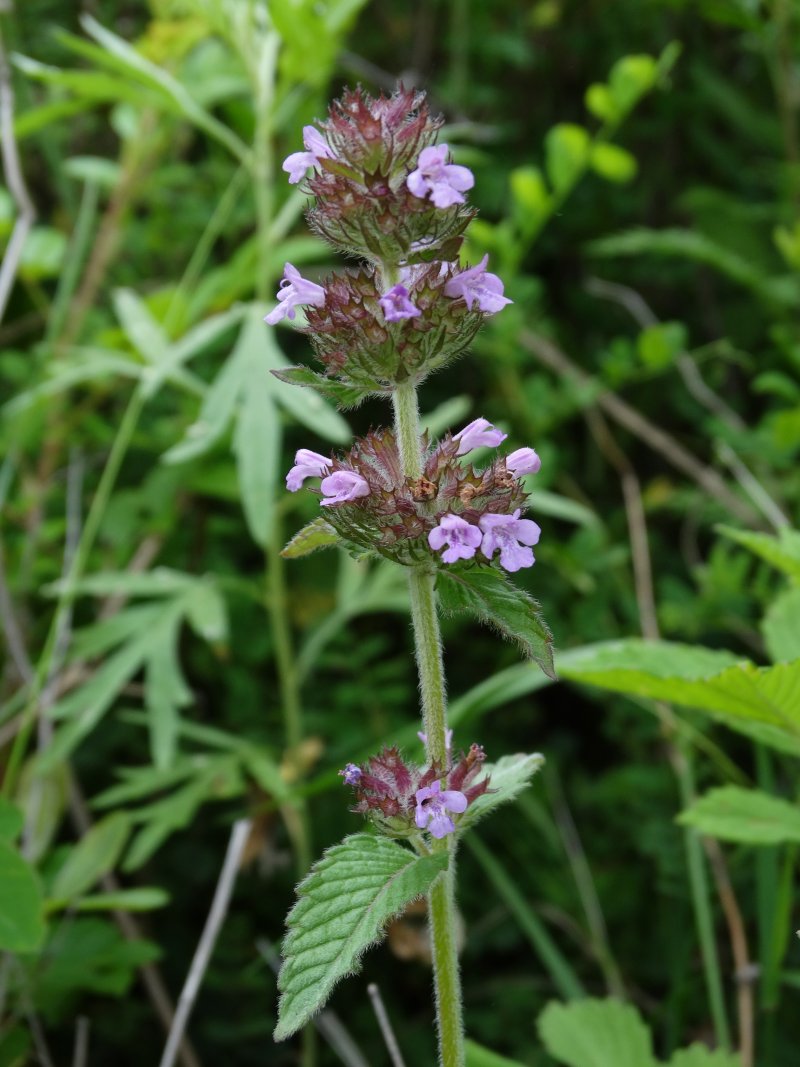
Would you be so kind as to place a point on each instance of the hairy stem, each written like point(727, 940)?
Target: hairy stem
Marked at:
point(428, 646)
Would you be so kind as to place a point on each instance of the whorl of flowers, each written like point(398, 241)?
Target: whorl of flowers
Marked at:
point(384, 190)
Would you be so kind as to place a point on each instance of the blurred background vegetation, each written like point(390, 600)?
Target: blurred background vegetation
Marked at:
point(638, 177)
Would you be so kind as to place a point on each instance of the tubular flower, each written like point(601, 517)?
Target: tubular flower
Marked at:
point(351, 774)
point(445, 183)
point(294, 290)
point(298, 163)
point(307, 464)
point(342, 487)
point(433, 804)
point(397, 306)
point(523, 461)
point(462, 539)
point(476, 286)
point(511, 535)
point(476, 433)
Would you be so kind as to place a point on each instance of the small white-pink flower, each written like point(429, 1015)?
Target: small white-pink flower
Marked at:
point(460, 537)
point(445, 183)
point(512, 536)
point(298, 163)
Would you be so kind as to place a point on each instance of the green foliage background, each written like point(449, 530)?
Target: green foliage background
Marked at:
point(646, 225)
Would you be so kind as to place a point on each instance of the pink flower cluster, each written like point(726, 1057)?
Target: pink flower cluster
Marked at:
point(341, 487)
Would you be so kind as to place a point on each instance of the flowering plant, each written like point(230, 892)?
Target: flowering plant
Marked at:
point(384, 191)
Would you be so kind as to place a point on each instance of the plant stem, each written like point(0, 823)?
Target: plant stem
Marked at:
point(428, 647)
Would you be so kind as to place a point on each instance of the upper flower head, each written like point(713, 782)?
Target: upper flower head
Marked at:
point(511, 535)
point(298, 163)
point(476, 433)
point(461, 538)
point(294, 290)
point(523, 461)
point(433, 803)
point(342, 486)
point(307, 464)
point(443, 182)
point(396, 305)
point(476, 286)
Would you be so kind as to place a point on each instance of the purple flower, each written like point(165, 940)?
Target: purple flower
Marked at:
point(443, 182)
point(307, 464)
point(511, 535)
point(351, 774)
point(397, 306)
point(478, 432)
point(342, 486)
point(298, 163)
point(476, 286)
point(461, 538)
point(432, 806)
point(294, 290)
point(523, 461)
point(448, 738)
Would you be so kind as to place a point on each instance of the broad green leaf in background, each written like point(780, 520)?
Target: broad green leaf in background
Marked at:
point(21, 912)
point(507, 778)
point(93, 856)
point(11, 820)
point(343, 905)
point(781, 627)
point(314, 535)
point(596, 1033)
point(782, 551)
point(478, 1056)
point(747, 816)
point(494, 600)
point(308, 407)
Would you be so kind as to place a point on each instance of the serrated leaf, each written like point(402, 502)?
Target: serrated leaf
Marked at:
point(94, 855)
point(596, 1033)
point(739, 693)
point(782, 551)
point(495, 601)
point(343, 905)
point(747, 816)
point(345, 396)
point(21, 912)
point(700, 1056)
point(316, 534)
point(507, 778)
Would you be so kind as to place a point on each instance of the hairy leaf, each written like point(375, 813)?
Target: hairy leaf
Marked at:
point(744, 815)
point(316, 534)
point(345, 396)
point(508, 777)
point(494, 600)
point(342, 908)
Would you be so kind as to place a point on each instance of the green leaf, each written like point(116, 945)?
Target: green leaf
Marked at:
point(507, 778)
point(660, 345)
point(631, 77)
point(596, 1033)
point(143, 331)
point(316, 534)
point(701, 1056)
point(567, 154)
point(478, 1056)
point(257, 438)
point(344, 396)
point(206, 611)
point(495, 601)
point(747, 816)
point(145, 898)
point(531, 198)
point(11, 821)
point(43, 253)
point(94, 855)
point(103, 172)
point(691, 676)
point(166, 691)
point(781, 627)
point(343, 905)
point(613, 163)
point(782, 551)
point(600, 101)
point(216, 413)
point(21, 913)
